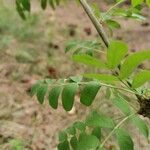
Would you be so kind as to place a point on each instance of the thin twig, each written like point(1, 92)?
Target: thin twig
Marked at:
point(95, 22)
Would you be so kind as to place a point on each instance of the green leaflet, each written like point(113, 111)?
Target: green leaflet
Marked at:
point(20, 9)
point(43, 4)
point(124, 140)
point(141, 78)
point(64, 146)
point(102, 77)
point(99, 120)
point(132, 62)
point(148, 3)
point(54, 96)
point(141, 125)
point(116, 52)
point(88, 60)
point(122, 104)
point(62, 136)
point(26, 4)
point(34, 89)
point(97, 132)
point(79, 125)
point(41, 91)
point(73, 142)
point(113, 24)
point(89, 93)
point(87, 142)
point(68, 95)
point(136, 2)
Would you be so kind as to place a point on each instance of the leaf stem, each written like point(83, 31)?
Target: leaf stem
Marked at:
point(95, 22)
point(116, 127)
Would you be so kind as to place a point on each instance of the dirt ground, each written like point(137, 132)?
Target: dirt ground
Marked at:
point(44, 37)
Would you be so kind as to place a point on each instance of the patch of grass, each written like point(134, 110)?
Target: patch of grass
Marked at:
point(17, 144)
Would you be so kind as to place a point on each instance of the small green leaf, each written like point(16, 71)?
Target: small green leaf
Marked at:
point(20, 9)
point(79, 125)
point(122, 104)
point(102, 77)
point(73, 143)
point(141, 78)
point(64, 146)
point(62, 136)
point(132, 62)
point(99, 120)
point(26, 4)
point(87, 142)
point(41, 93)
point(116, 52)
point(88, 60)
point(148, 3)
point(113, 24)
point(136, 2)
point(71, 130)
point(34, 89)
point(141, 125)
point(68, 95)
point(54, 96)
point(97, 132)
point(43, 4)
point(89, 92)
point(124, 140)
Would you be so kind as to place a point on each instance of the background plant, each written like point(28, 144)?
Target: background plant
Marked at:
point(121, 76)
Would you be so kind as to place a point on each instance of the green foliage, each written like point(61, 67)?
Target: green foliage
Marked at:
point(124, 140)
point(132, 62)
point(141, 78)
point(119, 74)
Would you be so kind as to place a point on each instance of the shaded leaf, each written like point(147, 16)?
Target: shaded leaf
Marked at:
point(89, 92)
point(122, 104)
point(54, 96)
point(41, 91)
point(124, 140)
point(68, 95)
point(87, 142)
point(141, 125)
point(64, 146)
point(99, 120)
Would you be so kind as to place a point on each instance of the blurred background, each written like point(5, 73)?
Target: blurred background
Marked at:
point(34, 49)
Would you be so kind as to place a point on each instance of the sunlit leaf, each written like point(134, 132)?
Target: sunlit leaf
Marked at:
point(116, 52)
point(132, 62)
point(141, 78)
